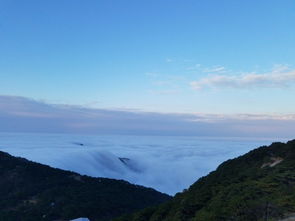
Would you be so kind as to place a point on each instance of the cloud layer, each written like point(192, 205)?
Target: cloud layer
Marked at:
point(166, 163)
point(279, 77)
point(18, 114)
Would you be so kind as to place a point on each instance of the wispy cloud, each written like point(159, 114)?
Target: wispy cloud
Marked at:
point(195, 67)
point(164, 92)
point(215, 69)
point(280, 77)
point(152, 74)
point(241, 117)
point(210, 70)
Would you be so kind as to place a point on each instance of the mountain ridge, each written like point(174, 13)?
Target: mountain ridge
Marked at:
point(31, 191)
point(257, 186)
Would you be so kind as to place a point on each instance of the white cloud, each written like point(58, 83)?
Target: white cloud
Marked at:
point(216, 69)
point(182, 160)
point(281, 76)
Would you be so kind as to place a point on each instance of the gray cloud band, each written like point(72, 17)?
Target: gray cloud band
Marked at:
point(18, 114)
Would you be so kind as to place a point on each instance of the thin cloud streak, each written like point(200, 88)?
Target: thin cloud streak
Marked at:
point(279, 77)
point(217, 69)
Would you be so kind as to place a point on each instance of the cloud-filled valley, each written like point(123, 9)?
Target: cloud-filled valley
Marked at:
point(166, 163)
point(90, 141)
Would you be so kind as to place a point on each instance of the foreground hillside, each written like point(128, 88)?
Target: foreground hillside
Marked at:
point(257, 186)
point(31, 191)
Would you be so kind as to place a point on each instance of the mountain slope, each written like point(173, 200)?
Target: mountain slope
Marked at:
point(32, 191)
point(259, 185)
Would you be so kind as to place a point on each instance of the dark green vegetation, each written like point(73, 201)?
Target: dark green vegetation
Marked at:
point(31, 191)
point(257, 186)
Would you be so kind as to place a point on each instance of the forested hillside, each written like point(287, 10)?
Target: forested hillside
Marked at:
point(32, 191)
point(259, 185)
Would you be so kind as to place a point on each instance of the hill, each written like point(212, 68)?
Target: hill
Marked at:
point(32, 191)
point(259, 185)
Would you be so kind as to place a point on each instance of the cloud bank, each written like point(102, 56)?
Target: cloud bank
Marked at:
point(18, 114)
point(166, 163)
point(279, 77)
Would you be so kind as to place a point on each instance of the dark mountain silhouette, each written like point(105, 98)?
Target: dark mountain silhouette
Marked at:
point(32, 191)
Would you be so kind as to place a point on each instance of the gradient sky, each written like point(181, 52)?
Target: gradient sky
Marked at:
point(192, 56)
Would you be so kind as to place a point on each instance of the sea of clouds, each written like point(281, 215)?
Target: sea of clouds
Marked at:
point(167, 164)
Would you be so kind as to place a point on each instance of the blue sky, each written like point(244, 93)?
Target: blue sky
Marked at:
point(193, 56)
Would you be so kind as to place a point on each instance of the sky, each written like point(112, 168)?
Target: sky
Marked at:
point(167, 57)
